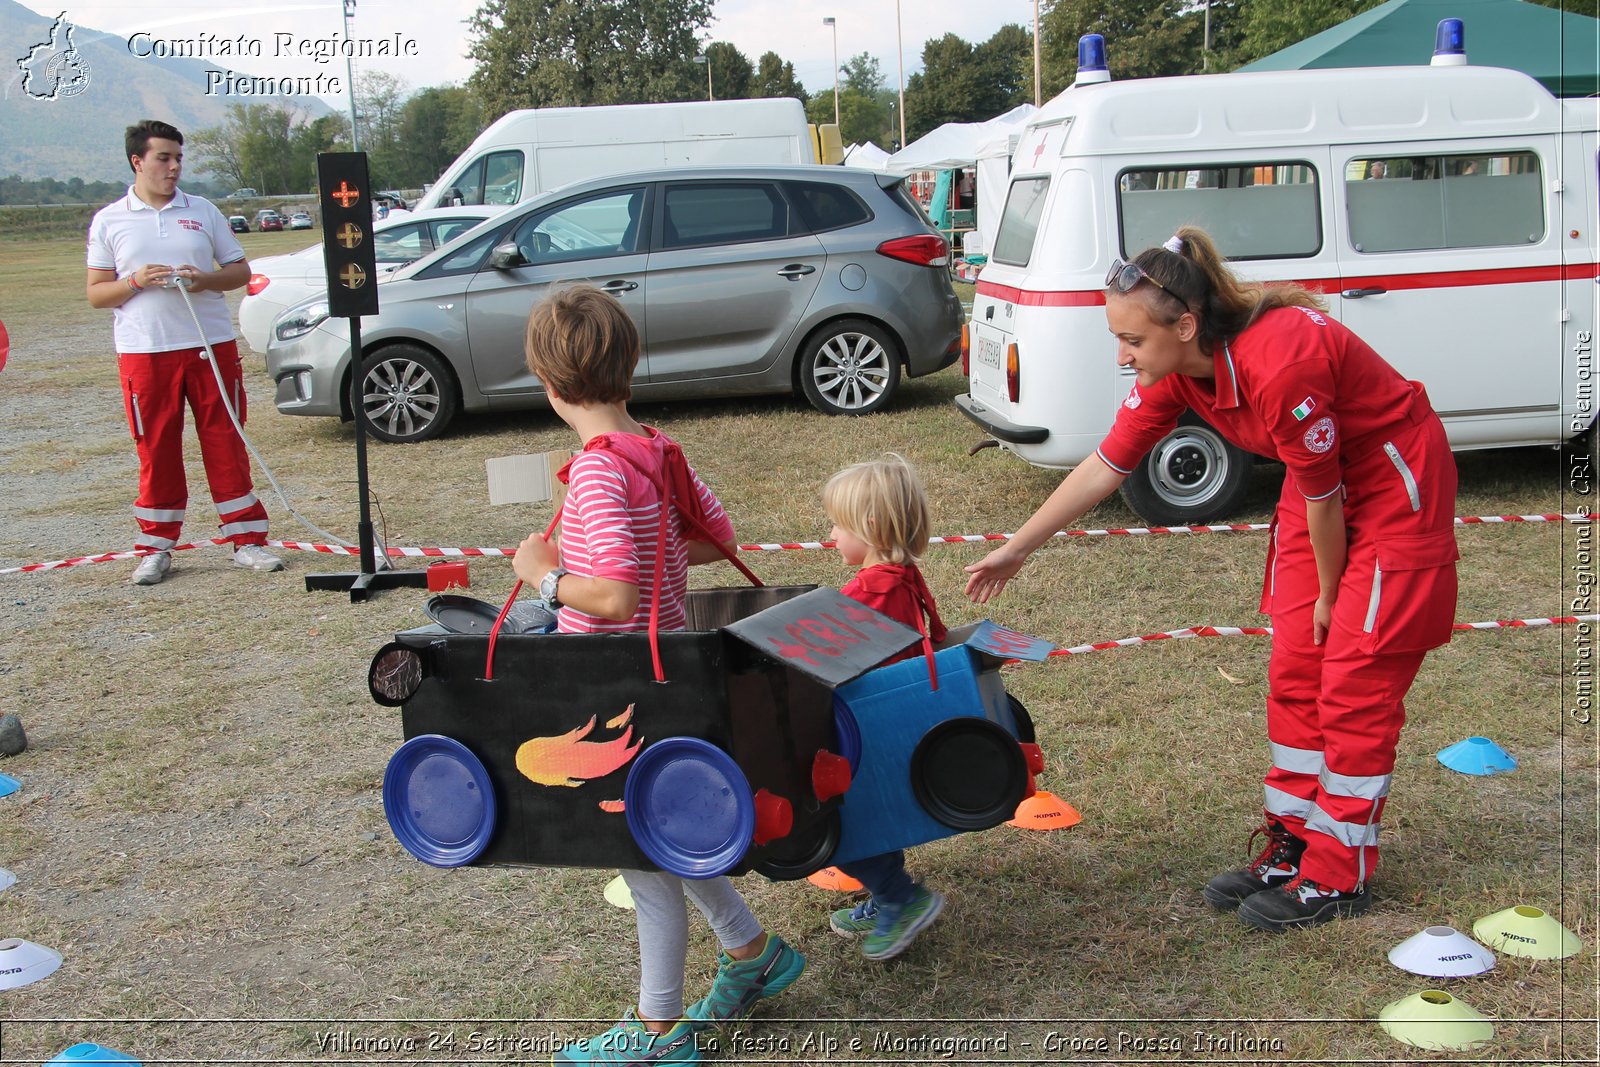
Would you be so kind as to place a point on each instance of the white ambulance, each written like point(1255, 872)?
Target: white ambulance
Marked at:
point(1447, 212)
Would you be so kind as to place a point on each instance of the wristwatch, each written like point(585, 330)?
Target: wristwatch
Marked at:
point(550, 584)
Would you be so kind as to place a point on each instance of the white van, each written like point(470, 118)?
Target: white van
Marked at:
point(1470, 266)
point(525, 153)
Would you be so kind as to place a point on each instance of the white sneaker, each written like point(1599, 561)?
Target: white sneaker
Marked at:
point(257, 558)
point(152, 568)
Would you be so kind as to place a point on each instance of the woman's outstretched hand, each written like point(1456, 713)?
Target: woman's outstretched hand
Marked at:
point(991, 573)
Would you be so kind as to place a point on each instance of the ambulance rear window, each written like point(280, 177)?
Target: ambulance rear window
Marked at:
point(1405, 203)
point(1019, 222)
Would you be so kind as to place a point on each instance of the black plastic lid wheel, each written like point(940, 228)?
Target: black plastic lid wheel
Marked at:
point(968, 773)
point(804, 853)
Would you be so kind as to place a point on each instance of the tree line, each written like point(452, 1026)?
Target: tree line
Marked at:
point(564, 53)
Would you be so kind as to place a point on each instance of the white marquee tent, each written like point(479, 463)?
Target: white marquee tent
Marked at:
point(987, 145)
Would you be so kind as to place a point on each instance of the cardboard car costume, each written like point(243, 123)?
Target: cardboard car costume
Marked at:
point(772, 744)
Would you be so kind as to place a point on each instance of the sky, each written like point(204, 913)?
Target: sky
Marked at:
point(436, 31)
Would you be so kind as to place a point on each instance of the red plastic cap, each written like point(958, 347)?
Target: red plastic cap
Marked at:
point(830, 775)
point(1033, 755)
point(774, 817)
point(257, 283)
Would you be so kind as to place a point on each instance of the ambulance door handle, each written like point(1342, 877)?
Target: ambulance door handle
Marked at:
point(1357, 294)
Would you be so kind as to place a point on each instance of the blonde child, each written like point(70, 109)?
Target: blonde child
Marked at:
point(602, 578)
point(880, 522)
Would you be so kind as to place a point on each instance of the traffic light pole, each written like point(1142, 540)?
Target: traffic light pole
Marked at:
point(369, 579)
point(348, 257)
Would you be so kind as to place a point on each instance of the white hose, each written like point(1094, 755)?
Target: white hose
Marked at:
point(182, 285)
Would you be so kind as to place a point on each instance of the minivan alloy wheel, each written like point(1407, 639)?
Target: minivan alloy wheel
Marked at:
point(407, 393)
point(850, 368)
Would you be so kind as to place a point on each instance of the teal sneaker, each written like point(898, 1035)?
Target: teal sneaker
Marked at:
point(853, 922)
point(630, 1042)
point(899, 924)
point(740, 983)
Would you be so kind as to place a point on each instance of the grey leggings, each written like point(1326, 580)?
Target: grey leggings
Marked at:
point(664, 931)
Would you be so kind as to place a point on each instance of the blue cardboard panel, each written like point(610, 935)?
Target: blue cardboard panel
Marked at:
point(894, 708)
point(826, 635)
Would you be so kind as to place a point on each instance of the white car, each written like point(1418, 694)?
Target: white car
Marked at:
point(281, 282)
point(300, 221)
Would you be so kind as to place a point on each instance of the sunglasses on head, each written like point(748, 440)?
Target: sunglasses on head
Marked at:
point(1123, 277)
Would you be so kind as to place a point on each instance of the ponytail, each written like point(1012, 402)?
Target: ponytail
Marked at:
point(1194, 272)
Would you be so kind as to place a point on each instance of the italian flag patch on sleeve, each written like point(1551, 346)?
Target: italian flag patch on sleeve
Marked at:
point(1307, 406)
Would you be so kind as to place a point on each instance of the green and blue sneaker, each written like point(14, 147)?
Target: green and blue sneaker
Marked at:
point(740, 983)
point(630, 1042)
point(899, 924)
point(853, 922)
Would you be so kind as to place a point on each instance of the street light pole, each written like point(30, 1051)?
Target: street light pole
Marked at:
point(706, 59)
point(900, 54)
point(831, 21)
point(1038, 94)
point(349, 74)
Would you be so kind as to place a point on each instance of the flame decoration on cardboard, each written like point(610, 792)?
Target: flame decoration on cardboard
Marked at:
point(568, 760)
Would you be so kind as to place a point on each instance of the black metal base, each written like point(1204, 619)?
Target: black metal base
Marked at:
point(361, 583)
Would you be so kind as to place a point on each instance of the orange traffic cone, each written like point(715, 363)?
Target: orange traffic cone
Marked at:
point(1044, 811)
point(835, 879)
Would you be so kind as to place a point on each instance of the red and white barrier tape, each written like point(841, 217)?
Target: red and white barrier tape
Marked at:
point(1266, 631)
point(953, 539)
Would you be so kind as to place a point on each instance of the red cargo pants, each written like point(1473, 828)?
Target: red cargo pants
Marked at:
point(1334, 711)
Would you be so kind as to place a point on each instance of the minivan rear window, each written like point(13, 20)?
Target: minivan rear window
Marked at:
point(1019, 222)
point(827, 207)
point(1266, 209)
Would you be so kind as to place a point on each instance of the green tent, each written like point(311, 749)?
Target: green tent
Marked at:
point(1559, 48)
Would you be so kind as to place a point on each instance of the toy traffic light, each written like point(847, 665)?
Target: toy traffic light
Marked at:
point(347, 247)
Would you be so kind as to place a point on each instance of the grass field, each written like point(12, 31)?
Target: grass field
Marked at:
point(200, 833)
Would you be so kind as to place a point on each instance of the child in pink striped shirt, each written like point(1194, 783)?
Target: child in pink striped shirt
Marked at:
point(604, 576)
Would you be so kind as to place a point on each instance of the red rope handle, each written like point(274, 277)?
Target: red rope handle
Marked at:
point(494, 631)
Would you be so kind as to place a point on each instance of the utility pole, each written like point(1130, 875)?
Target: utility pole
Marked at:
point(833, 22)
point(900, 55)
point(350, 75)
point(1038, 80)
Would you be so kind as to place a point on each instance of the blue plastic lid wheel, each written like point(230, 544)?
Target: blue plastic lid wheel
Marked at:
point(439, 800)
point(848, 733)
point(689, 807)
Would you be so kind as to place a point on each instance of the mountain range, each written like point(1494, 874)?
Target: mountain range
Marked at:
point(69, 91)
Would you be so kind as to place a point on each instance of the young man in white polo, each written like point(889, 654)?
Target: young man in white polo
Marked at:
point(137, 246)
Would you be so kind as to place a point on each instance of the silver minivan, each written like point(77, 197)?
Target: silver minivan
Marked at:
point(824, 281)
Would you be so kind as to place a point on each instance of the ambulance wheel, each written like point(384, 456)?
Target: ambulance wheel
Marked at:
point(850, 367)
point(409, 394)
point(1192, 476)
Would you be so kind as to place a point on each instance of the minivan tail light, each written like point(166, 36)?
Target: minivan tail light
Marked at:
point(966, 351)
point(1013, 373)
point(923, 249)
point(257, 283)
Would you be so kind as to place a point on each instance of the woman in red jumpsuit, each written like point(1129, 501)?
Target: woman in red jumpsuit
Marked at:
point(1361, 577)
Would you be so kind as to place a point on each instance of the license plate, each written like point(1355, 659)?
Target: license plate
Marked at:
point(989, 352)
